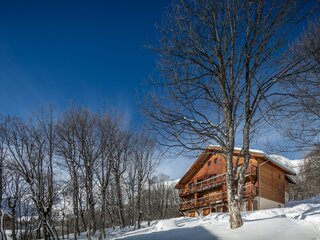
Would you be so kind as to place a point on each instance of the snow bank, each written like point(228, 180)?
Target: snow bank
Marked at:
point(166, 224)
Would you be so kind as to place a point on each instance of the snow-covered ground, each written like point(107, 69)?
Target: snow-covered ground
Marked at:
point(299, 221)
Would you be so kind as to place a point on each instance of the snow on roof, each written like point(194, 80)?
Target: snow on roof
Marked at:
point(238, 149)
point(293, 165)
point(281, 162)
point(278, 160)
point(251, 150)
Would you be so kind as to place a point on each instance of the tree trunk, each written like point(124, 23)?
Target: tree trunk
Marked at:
point(68, 231)
point(62, 226)
point(92, 222)
point(46, 233)
point(235, 214)
point(234, 207)
point(12, 207)
point(75, 200)
point(3, 235)
point(139, 210)
point(102, 234)
point(120, 203)
point(82, 216)
point(149, 202)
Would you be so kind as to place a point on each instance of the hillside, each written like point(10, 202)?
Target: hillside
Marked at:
point(299, 221)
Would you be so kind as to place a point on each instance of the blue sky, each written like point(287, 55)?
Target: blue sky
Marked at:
point(87, 53)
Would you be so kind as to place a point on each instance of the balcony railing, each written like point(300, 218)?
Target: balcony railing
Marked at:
point(213, 182)
point(216, 198)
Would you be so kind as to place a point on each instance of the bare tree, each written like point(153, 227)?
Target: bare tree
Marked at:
point(162, 198)
point(28, 147)
point(67, 150)
point(219, 62)
point(301, 95)
point(87, 135)
point(145, 163)
point(2, 170)
point(264, 67)
point(130, 186)
point(64, 194)
point(108, 129)
point(308, 179)
point(311, 168)
point(112, 206)
point(12, 196)
point(120, 157)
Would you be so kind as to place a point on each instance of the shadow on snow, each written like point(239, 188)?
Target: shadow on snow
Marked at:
point(179, 233)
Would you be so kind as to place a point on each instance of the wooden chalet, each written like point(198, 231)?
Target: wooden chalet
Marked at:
point(202, 189)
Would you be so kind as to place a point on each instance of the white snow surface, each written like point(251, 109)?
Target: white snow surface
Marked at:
point(299, 221)
point(292, 164)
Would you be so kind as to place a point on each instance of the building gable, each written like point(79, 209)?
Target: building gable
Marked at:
point(200, 169)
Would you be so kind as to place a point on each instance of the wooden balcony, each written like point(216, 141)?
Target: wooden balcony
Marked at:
point(216, 198)
point(213, 182)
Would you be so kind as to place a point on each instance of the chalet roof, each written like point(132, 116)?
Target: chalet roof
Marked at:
point(211, 150)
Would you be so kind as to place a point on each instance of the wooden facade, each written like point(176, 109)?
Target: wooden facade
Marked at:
point(202, 189)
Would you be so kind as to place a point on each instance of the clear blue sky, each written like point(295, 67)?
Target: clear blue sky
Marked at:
point(84, 52)
point(88, 53)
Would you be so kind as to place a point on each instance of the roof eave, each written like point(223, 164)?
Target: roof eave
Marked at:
point(288, 170)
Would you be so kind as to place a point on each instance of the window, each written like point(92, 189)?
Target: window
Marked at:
point(209, 163)
point(191, 185)
point(216, 160)
point(279, 176)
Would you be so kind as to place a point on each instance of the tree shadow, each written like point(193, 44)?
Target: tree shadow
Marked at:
point(177, 233)
point(261, 219)
point(311, 211)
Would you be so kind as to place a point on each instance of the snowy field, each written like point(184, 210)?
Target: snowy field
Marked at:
point(300, 221)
